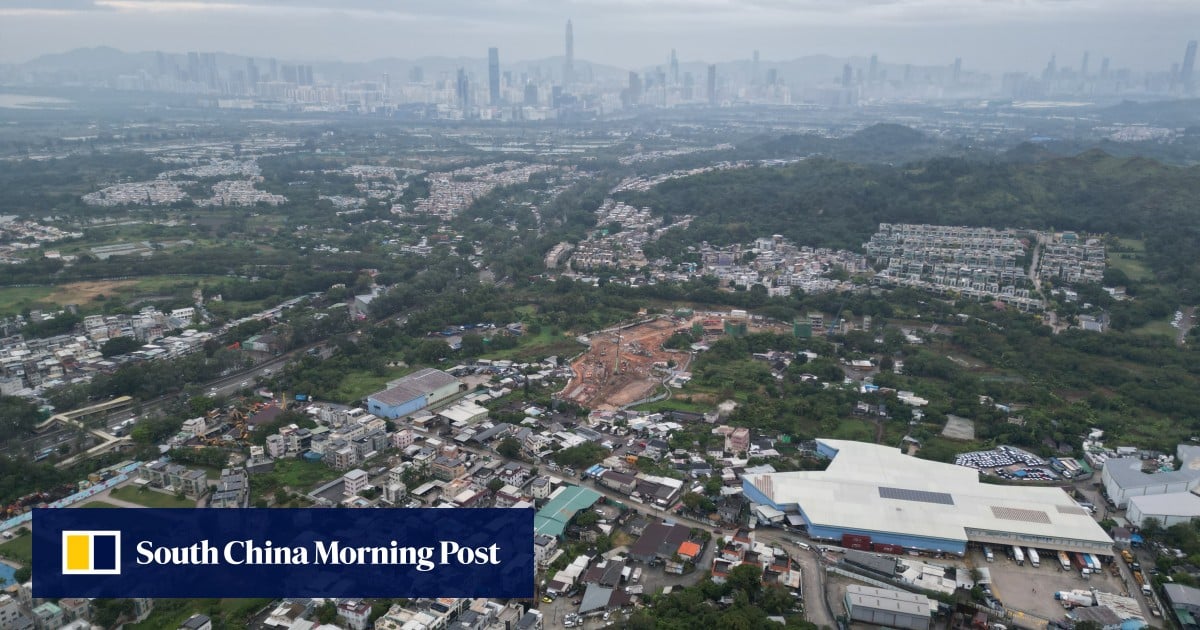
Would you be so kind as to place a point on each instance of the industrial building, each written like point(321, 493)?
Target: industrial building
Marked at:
point(1123, 477)
point(1185, 603)
point(1169, 509)
point(568, 500)
point(414, 392)
point(886, 607)
point(877, 497)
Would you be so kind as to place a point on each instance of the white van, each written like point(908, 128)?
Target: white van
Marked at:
point(987, 553)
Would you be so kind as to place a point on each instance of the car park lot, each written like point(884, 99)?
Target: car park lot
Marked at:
point(1031, 589)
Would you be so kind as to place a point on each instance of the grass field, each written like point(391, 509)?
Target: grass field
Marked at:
point(1160, 327)
point(15, 299)
point(229, 613)
point(98, 504)
point(297, 474)
point(19, 549)
point(151, 498)
point(537, 346)
point(359, 384)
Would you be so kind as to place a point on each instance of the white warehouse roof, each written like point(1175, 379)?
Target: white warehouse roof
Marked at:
point(1181, 504)
point(873, 488)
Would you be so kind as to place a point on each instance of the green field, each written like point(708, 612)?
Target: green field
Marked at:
point(1160, 327)
point(1132, 263)
point(228, 613)
point(87, 294)
point(98, 504)
point(538, 346)
point(361, 383)
point(296, 474)
point(19, 549)
point(151, 498)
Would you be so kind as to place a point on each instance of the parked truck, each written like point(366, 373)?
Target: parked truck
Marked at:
point(1034, 559)
point(1075, 598)
point(1127, 556)
point(1064, 560)
point(1018, 555)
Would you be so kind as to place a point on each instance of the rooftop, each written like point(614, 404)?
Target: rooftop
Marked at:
point(1173, 504)
point(887, 599)
point(1127, 473)
point(552, 519)
point(868, 487)
point(414, 385)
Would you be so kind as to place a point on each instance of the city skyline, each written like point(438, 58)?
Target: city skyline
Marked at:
point(989, 36)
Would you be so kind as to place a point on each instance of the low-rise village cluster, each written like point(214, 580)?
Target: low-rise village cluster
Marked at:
point(450, 193)
point(18, 237)
point(622, 232)
point(167, 188)
point(30, 366)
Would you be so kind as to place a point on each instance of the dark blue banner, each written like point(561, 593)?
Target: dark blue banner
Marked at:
point(283, 553)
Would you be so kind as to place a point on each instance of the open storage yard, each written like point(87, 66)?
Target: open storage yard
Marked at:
point(619, 367)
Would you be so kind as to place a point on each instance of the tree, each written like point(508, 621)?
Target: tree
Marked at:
point(327, 612)
point(119, 345)
point(1151, 527)
point(495, 484)
point(509, 447)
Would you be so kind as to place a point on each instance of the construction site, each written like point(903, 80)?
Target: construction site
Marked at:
point(625, 365)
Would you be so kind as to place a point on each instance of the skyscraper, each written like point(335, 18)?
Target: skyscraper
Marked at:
point(754, 70)
point(494, 76)
point(1104, 68)
point(1083, 65)
point(674, 67)
point(712, 84)
point(957, 70)
point(873, 69)
point(847, 75)
point(462, 91)
point(1189, 65)
point(569, 64)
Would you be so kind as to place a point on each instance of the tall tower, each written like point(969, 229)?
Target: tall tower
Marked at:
point(569, 65)
point(847, 75)
point(462, 90)
point(957, 70)
point(754, 79)
point(494, 76)
point(1189, 66)
point(674, 68)
point(712, 84)
point(1083, 65)
point(1104, 68)
point(873, 69)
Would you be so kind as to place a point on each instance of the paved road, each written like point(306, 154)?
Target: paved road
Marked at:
point(1185, 324)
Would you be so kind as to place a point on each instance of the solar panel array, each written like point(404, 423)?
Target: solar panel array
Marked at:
point(921, 496)
point(1017, 514)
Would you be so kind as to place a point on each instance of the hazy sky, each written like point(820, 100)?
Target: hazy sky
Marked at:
point(990, 35)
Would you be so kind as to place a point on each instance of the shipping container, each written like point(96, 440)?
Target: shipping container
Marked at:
point(848, 539)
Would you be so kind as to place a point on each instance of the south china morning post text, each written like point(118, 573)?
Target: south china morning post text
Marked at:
point(331, 552)
point(316, 552)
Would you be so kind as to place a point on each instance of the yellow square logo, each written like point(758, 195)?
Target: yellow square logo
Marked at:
point(91, 552)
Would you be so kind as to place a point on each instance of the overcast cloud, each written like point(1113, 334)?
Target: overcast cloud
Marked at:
point(990, 35)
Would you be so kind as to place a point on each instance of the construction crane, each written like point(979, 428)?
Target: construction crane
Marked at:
point(837, 317)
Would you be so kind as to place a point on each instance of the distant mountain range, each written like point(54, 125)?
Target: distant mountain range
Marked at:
point(105, 64)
